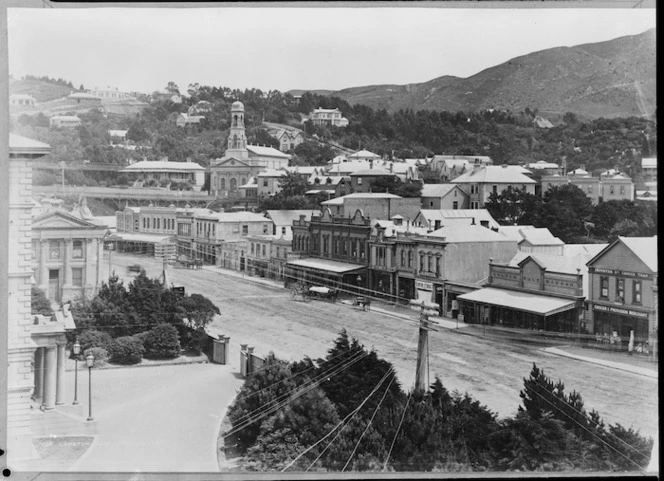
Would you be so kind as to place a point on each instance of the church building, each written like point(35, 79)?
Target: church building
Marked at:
point(241, 161)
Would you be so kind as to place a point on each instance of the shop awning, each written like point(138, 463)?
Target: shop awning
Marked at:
point(145, 238)
point(522, 301)
point(335, 267)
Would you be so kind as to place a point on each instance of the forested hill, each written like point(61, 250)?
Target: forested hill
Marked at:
point(616, 78)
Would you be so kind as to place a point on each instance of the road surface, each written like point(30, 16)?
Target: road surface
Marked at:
point(161, 418)
point(490, 368)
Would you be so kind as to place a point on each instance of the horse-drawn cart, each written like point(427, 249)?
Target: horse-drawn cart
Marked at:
point(185, 262)
point(301, 291)
point(362, 302)
point(323, 293)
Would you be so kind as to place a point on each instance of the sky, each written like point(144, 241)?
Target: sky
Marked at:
point(142, 49)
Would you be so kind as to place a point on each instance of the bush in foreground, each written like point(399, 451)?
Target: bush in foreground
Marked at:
point(100, 354)
point(162, 342)
point(92, 338)
point(126, 350)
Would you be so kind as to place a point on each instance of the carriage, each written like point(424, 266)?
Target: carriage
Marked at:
point(185, 262)
point(301, 291)
point(323, 293)
point(362, 302)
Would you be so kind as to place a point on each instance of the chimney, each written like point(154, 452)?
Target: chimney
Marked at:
point(473, 222)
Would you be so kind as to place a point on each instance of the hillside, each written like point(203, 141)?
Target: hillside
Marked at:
point(615, 78)
point(41, 90)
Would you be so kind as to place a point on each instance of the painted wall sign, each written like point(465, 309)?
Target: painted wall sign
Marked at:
point(424, 286)
point(618, 310)
point(614, 272)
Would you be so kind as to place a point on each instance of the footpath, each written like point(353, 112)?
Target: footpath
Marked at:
point(619, 361)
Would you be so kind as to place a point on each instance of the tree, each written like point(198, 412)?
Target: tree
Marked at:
point(145, 296)
point(199, 310)
point(162, 342)
point(313, 153)
point(292, 185)
point(39, 303)
point(564, 210)
point(513, 206)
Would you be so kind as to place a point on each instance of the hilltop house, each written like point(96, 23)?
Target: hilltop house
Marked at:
point(22, 100)
point(64, 121)
point(332, 117)
point(163, 170)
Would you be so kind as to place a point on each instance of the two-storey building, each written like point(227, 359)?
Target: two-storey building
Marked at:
point(331, 250)
point(444, 196)
point(622, 295)
point(482, 181)
point(332, 117)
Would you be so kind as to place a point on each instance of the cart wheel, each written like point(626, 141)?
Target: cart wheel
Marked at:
point(293, 294)
point(307, 297)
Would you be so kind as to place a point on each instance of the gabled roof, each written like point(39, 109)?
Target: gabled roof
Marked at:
point(468, 233)
point(645, 248)
point(59, 219)
point(649, 162)
point(496, 174)
point(359, 195)
point(266, 151)
point(364, 154)
point(540, 236)
point(161, 165)
point(514, 232)
point(23, 145)
point(471, 215)
point(227, 159)
point(371, 173)
point(286, 217)
point(439, 190)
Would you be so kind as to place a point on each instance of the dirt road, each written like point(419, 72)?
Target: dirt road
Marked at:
point(489, 368)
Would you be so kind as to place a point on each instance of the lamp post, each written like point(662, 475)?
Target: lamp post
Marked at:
point(359, 280)
point(90, 360)
point(77, 351)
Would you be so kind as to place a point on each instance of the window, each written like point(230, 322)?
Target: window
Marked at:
point(455, 192)
point(620, 290)
point(77, 251)
point(359, 181)
point(611, 189)
point(403, 258)
point(326, 241)
point(636, 292)
point(421, 262)
point(590, 189)
point(455, 205)
point(252, 247)
point(474, 205)
point(283, 230)
point(264, 228)
point(495, 189)
point(222, 184)
point(410, 259)
point(430, 203)
point(245, 230)
point(622, 189)
point(604, 287)
point(263, 250)
point(34, 250)
point(54, 250)
point(77, 276)
point(264, 182)
point(437, 266)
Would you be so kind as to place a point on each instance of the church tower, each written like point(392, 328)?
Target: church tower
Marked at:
point(237, 138)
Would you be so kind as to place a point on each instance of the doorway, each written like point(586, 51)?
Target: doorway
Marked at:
point(54, 284)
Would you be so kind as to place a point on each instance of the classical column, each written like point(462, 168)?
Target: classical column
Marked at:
point(43, 270)
point(39, 373)
point(50, 366)
point(66, 266)
point(60, 375)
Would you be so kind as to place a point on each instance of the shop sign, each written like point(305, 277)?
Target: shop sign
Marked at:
point(424, 286)
point(618, 310)
point(614, 272)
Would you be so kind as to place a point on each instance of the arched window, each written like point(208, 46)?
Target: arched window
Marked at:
point(233, 185)
point(244, 180)
point(222, 184)
point(234, 144)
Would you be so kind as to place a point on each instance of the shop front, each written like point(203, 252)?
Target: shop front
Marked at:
point(611, 322)
point(452, 290)
point(406, 288)
point(382, 283)
point(520, 309)
point(325, 272)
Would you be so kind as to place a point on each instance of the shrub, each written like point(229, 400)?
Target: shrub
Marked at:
point(100, 354)
point(39, 303)
point(93, 338)
point(126, 350)
point(162, 341)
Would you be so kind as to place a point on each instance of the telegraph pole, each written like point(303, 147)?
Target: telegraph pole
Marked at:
point(422, 367)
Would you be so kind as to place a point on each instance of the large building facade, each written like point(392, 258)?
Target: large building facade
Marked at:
point(622, 295)
point(241, 161)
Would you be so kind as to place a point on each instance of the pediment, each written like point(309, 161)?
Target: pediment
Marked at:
point(231, 162)
point(59, 220)
point(531, 260)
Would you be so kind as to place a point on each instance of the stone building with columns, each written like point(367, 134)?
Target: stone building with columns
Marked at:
point(241, 161)
point(67, 254)
point(30, 341)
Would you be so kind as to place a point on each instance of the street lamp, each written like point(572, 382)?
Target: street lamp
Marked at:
point(359, 280)
point(90, 360)
point(77, 351)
